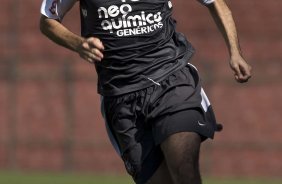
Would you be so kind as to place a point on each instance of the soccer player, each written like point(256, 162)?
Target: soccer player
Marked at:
point(156, 112)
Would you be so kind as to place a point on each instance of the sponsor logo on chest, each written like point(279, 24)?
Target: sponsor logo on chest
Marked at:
point(123, 21)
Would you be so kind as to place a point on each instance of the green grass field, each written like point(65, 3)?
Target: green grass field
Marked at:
point(36, 178)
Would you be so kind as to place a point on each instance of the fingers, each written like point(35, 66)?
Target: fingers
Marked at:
point(242, 73)
point(96, 43)
point(242, 70)
point(237, 73)
point(92, 50)
point(245, 72)
point(90, 57)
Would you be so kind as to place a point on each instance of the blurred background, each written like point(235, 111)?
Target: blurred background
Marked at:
point(50, 120)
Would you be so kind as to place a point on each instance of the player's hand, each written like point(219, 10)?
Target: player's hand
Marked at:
point(91, 49)
point(242, 70)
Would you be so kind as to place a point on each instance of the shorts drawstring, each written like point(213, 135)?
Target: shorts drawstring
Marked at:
point(154, 81)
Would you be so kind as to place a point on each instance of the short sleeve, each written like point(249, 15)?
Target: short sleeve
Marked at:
point(56, 9)
point(206, 2)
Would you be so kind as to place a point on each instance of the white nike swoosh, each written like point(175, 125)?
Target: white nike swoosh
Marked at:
point(201, 124)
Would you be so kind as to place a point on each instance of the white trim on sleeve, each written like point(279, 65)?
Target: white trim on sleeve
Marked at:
point(206, 2)
point(56, 9)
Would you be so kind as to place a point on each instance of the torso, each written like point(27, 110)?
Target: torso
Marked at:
point(140, 42)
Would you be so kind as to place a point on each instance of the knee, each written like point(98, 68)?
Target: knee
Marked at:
point(182, 157)
point(186, 172)
point(188, 166)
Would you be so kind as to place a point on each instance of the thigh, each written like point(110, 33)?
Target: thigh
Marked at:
point(181, 151)
point(133, 136)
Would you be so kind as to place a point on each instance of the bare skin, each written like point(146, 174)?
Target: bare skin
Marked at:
point(181, 150)
point(224, 20)
point(90, 49)
point(181, 153)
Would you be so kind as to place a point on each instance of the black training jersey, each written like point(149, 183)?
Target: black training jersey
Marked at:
point(141, 45)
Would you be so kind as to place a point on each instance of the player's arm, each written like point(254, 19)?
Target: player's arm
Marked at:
point(53, 12)
point(224, 20)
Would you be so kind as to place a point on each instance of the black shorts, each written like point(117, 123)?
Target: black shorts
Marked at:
point(140, 121)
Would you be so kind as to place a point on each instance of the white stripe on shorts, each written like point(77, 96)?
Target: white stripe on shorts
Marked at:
point(205, 101)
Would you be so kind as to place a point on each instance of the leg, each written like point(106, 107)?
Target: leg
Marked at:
point(181, 151)
point(161, 176)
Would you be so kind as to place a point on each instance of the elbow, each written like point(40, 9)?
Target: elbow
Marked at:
point(46, 24)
